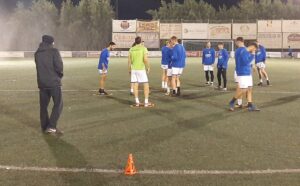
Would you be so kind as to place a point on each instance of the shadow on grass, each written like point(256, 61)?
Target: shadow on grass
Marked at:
point(281, 101)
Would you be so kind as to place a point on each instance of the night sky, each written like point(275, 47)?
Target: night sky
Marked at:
point(128, 9)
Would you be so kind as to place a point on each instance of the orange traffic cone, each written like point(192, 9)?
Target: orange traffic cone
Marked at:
point(130, 169)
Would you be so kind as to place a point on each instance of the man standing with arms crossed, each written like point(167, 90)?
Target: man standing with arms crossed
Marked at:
point(49, 68)
point(138, 66)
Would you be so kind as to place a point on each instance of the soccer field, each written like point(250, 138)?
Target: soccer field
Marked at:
point(194, 132)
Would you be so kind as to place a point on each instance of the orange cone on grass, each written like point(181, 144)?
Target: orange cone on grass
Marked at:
point(130, 169)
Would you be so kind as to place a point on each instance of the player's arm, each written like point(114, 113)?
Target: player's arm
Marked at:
point(213, 56)
point(58, 64)
point(146, 61)
point(129, 63)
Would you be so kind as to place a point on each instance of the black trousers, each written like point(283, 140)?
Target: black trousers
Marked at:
point(222, 73)
point(45, 96)
point(212, 77)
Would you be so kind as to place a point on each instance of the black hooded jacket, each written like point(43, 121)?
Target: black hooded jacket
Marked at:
point(49, 66)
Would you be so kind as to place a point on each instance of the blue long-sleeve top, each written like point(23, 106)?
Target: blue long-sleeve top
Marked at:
point(208, 56)
point(243, 62)
point(223, 58)
point(178, 56)
point(166, 55)
point(260, 55)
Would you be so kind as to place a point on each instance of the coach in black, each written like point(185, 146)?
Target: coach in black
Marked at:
point(49, 68)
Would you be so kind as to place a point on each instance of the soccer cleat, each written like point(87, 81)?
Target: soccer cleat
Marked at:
point(53, 131)
point(131, 93)
point(260, 84)
point(212, 84)
point(207, 83)
point(231, 106)
point(268, 82)
point(253, 108)
point(224, 89)
point(104, 93)
point(148, 105)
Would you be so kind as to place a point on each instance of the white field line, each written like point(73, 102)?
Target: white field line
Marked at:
point(127, 90)
point(153, 172)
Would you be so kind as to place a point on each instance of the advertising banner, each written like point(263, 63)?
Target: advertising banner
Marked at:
point(151, 39)
point(194, 31)
point(270, 40)
point(167, 30)
point(245, 30)
point(291, 26)
point(269, 26)
point(124, 25)
point(148, 26)
point(292, 40)
point(123, 40)
point(219, 31)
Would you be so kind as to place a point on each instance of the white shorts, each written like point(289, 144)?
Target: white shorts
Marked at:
point(164, 67)
point(177, 71)
point(139, 76)
point(101, 72)
point(169, 72)
point(245, 81)
point(235, 77)
point(261, 65)
point(208, 68)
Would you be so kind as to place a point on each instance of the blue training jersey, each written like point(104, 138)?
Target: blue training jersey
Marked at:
point(223, 58)
point(260, 55)
point(243, 62)
point(166, 57)
point(178, 56)
point(208, 56)
point(104, 58)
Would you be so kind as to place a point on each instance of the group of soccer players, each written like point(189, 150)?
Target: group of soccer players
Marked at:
point(173, 63)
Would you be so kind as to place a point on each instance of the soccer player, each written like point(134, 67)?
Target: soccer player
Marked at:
point(178, 64)
point(290, 52)
point(222, 65)
point(208, 59)
point(138, 67)
point(260, 62)
point(240, 46)
point(164, 64)
point(103, 66)
point(244, 75)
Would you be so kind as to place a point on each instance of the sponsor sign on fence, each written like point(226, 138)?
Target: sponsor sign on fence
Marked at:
point(151, 39)
point(124, 25)
point(269, 26)
point(270, 40)
point(167, 30)
point(123, 40)
point(245, 30)
point(291, 26)
point(148, 26)
point(219, 31)
point(291, 39)
point(194, 31)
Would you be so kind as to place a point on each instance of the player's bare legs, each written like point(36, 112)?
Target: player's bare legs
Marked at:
point(146, 92)
point(102, 81)
point(136, 93)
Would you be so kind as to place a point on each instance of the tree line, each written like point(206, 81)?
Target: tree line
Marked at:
point(86, 26)
point(245, 10)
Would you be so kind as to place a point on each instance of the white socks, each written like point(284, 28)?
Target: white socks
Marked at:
point(137, 100)
point(240, 101)
point(164, 84)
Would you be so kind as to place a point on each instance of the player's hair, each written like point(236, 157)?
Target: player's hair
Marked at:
point(174, 38)
point(111, 43)
point(253, 44)
point(221, 43)
point(179, 41)
point(241, 39)
point(138, 40)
